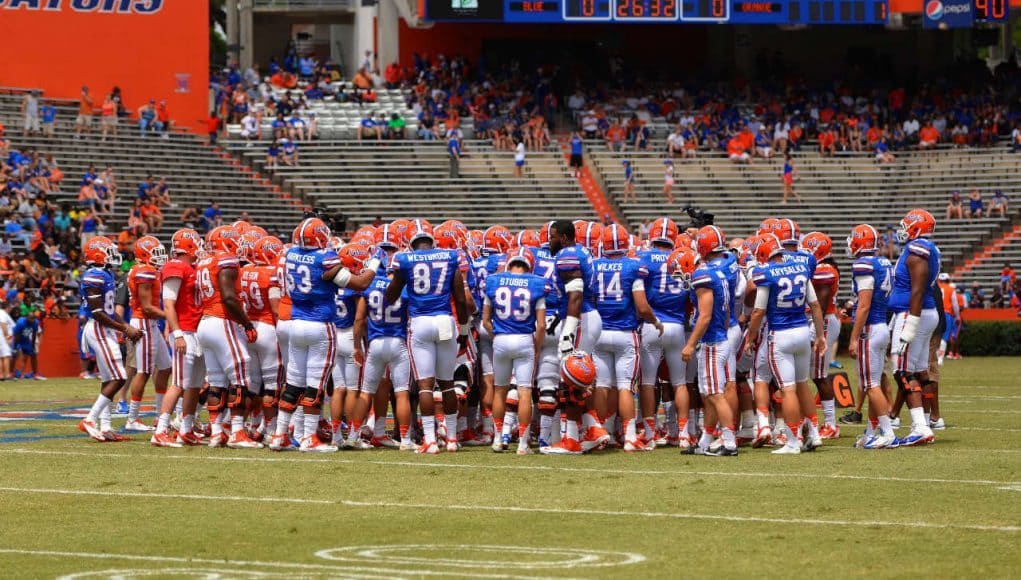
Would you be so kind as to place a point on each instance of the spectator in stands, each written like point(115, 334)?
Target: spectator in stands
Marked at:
point(668, 181)
point(191, 218)
point(1015, 139)
point(250, 128)
point(160, 193)
point(90, 223)
point(163, 119)
point(392, 75)
point(30, 113)
point(642, 137)
point(882, 151)
point(137, 223)
point(928, 136)
point(362, 80)
point(976, 207)
point(590, 124)
point(273, 154)
point(674, 142)
point(890, 243)
point(996, 300)
point(108, 117)
point(396, 127)
point(297, 128)
point(911, 127)
point(49, 117)
point(615, 137)
point(629, 182)
point(736, 150)
point(763, 147)
point(147, 120)
point(212, 216)
point(955, 209)
point(289, 152)
point(152, 215)
point(212, 123)
point(998, 204)
point(577, 159)
point(279, 125)
point(977, 299)
point(87, 196)
point(828, 142)
point(519, 159)
point(427, 129)
point(6, 335)
point(454, 151)
point(83, 124)
point(1007, 278)
point(368, 126)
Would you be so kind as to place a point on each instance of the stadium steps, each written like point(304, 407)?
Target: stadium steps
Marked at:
point(986, 264)
point(391, 179)
point(589, 184)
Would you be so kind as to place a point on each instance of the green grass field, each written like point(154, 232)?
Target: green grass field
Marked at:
point(75, 508)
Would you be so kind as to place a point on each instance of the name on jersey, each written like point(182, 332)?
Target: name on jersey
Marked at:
point(518, 282)
point(428, 257)
point(250, 275)
point(101, 6)
point(302, 258)
point(610, 266)
point(790, 270)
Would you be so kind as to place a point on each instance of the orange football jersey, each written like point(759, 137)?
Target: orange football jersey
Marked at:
point(142, 274)
point(207, 272)
point(284, 306)
point(827, 275)
point(256, 282)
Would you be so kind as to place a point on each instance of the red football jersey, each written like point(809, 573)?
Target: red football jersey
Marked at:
point(187, 305)
point(256, 282)
point(827, 275)
point(284, 306)
point(142, 274)
point(207, 273)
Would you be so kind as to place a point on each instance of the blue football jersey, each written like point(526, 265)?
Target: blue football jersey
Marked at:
point(901, 295)
point(101, 279)
point(802, 258)
point(706, 276)
point(615, 281)
point(576, 259)
point(788, 293)
point(312, 298)
point(385, 319)
point(514, 298)
point(546, 267)
point(482, 268)
point(731, 269)
point(346, 302)
point(881, 271)
point(429, 277)
point(667, 296)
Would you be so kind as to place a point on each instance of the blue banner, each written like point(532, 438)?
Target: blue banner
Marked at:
point(945, 14)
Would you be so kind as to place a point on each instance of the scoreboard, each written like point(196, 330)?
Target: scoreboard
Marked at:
point(777, 12)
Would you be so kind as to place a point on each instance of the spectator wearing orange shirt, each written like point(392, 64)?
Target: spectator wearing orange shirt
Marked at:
point(873, 135)
point(737, 151)
point(85, 111)
point(163, 117)
point(362, 80)
point(827, 142)
point(392, 74)
point(928, 136)
point(108, 116)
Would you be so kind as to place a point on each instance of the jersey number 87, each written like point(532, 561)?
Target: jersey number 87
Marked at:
point(421, 278)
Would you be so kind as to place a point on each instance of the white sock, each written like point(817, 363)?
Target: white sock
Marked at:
point(670, 416)
point(283, 422)
point(164, 423)
point(428, 429)
point(610, 424)
point(545, 427)
point(450, 422)
point(630, 433)
point(102, 402)
point(462, 423)
point(829, 412)
point(728, 438)
point(159, 403)
point(237, 423)
point(560, 417)
point(510, 422)
point(133, 410)
point(311, 423)
point(179, 407)
point(188, 424)
point(572, 429)
point(298, 419)
point(885, 428)
point(918, 418)
point(928, 418)
point(763, 418)
point(747, 419)
point(104, 418)
point(379, 429)
point(693, 422)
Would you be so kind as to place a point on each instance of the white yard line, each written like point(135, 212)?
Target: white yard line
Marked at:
point(541, 468)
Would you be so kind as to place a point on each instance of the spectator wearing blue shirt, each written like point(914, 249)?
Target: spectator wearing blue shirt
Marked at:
point(26, 332)
point(289, 152)
point(368, 126)
point(577, 153)
point(976, 207)
point(279, 126)
point(212, 216)
point(273, 154)
point(145, 188)
point(454, 149)
point(883, 154)
point(49, 114)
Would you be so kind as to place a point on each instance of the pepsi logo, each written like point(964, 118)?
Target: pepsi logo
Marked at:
point(934, 9)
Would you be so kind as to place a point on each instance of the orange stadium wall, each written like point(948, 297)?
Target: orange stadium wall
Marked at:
point(155, 49)
point(58, 348)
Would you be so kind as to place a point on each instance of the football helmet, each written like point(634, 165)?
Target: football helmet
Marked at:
point(241, 227)
point(267, 251)
point(818, 244)
point(591, 235)
point(769, 246)
point(353, 257)
point(710, 239)
point(663, 231)
point(418, 229)
point(100, 251)
point(787, 231)
point(615, 240)
point(578, 372)
point(768, 225)
point(916, 224)
point(387, 238)
point(223, 239)
point(527, 239)
point(683, 240)
point(186, 241)
point(544, 234)
point(496, 240)
point(313, 234)
point(863, 238)
point(681, 264)
point(149, 250)
point(521, 256)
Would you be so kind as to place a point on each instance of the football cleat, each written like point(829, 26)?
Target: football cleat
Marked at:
point(384, 441)
point(566, 446)
point(787, 450)
point(829, 432)
point(763, 435)
point(356, 444)
point(543, 443)
point(779, 439)
point(895, 422)
point(241, 440)
point(453, 447)
point(879, 442)
point(860, 442)
point(122, 407)
point(163, 440)
point(441, 432)
point(112, 437)
point(188, 438)
point(469, 438)
point(312, 444)
point(851, 418)
point(218, 440)
point(428, 449)
point(811, 443)
point(638, 445)
point(86, 426)
point(745, 435)
point(524, 450)
point(650, 444)
point(937, 425)
point(595, 438)
point(683, 443)
point(410, 446)
point(721, 451)
point(916, 438)
point(137, 425)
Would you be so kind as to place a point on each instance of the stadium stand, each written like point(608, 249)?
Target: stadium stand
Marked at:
point(836, 193)
point(196, 173)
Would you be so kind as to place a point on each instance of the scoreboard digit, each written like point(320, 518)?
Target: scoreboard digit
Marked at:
point(992, 10)
point(588, 10)
point(645, 10)
point(706, 11)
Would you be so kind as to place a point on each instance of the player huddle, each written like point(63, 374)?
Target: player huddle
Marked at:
point(477, 338)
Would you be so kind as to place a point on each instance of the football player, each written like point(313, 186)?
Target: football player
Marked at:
point(495, 243)
point(97, 292)
point(547, 376)
point(826, 280)
point(183, 313)
point(620, 293)
point(580, 325)
point(782, 290)
point(713, 299)
point(314, 272)
point(514, 314)
point(915, 316)
point(871, 284)
point(151, 351)
point(434, 280)
point(260, 291)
